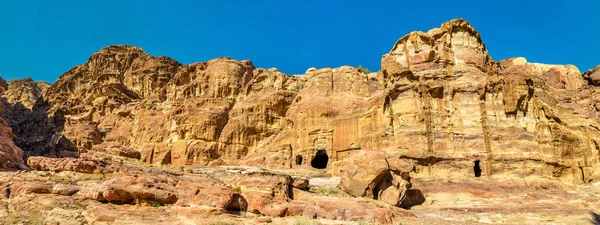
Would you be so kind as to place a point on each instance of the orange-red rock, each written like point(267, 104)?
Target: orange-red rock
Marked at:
point(439, 100)
point(67, 164)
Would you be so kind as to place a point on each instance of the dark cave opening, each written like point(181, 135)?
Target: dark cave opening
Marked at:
point(477, 169)
point(298, 160)
point(320, 160)
point(383, 183)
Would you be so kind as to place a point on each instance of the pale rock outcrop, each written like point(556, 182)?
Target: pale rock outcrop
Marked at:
point(558, 76)
point(25, 92)
point(456, 42)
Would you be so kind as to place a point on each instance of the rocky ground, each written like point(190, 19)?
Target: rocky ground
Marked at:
point(92, 190)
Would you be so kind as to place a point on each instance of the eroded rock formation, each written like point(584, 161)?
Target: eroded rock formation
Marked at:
point(439, 100)
point(35, 130)
point(374, 175)
point(454, 107)
point(11, 156)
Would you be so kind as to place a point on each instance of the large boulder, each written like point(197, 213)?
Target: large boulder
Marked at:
point(138, 189)
point(376, 175)
point(261, 189)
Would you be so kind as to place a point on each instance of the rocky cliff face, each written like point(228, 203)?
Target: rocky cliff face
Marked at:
point(456, 108)
point(11, 156)
point(439, 100)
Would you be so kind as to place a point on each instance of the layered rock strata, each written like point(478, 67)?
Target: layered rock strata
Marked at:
point(439, 100)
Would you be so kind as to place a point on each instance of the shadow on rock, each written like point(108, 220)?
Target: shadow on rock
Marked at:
point(37, 132)
point(413, 197)
point(595, 218)
point(238, 205)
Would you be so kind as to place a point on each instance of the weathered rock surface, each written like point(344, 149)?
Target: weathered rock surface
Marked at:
point(36, 130)
point(439, 100)
point(458, 113)
point(593, 76)
point(373, 174)
point(81, 165)
point(146, 195)
point(261, 189)
point(11, 156)
point(558, 76)
point(25, 92)
point(176, 196)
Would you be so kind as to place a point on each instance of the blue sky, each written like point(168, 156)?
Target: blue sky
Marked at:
point(43, 39)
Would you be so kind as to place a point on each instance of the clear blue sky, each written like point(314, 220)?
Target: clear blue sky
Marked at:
point(42, 39)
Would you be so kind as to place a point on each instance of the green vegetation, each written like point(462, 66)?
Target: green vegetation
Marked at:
point(363, 69)
point(157, 205)
point(237, 189)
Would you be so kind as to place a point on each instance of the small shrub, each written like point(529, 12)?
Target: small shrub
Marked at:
point(363, 69)
point(157, 205)
point(237, 189)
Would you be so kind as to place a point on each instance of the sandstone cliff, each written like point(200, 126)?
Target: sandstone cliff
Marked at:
point(11, 156)
point(439, 100)
point(454, 109)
